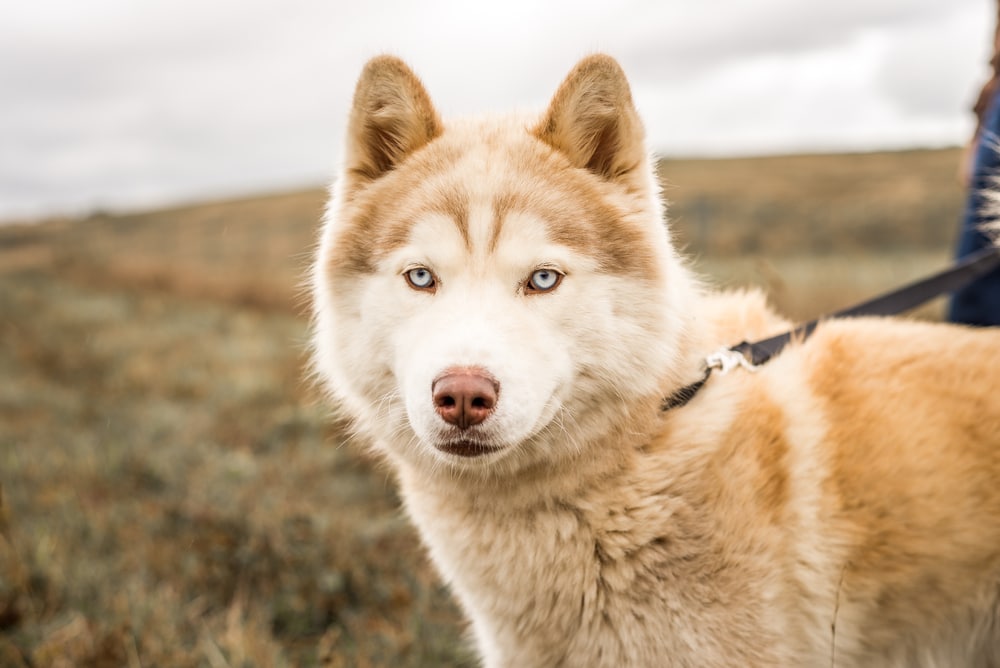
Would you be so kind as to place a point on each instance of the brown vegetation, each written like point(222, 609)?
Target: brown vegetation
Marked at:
point(173, 492)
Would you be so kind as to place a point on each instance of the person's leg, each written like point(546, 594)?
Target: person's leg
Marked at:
point(979, 302)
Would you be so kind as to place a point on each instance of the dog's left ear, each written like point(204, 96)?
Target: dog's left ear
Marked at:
point(593, 121)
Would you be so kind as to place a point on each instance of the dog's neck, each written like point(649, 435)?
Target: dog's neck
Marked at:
point(550, 558)
point(538, 558)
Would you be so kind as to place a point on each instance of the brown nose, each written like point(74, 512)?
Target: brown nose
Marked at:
point(465, 397)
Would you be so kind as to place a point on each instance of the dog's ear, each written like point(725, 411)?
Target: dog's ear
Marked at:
point(593, 121)
point(391, 117)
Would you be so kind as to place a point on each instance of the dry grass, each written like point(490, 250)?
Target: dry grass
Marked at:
point(172, 492)
point(815, 205)
point(247, 252)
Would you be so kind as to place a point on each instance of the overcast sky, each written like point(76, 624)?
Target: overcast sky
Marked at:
point(124, 104)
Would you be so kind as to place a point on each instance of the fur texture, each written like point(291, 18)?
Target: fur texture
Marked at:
point(840, 506)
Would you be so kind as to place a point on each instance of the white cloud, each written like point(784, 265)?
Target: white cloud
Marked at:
point(121, 104)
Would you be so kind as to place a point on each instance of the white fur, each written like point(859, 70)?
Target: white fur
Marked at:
point(738, 530)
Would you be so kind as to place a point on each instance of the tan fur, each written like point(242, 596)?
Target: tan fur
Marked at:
point(840, 506)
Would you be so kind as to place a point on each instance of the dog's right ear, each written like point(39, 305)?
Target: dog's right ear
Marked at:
point(391, 117)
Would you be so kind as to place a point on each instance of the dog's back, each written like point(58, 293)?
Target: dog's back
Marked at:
point(866, 463)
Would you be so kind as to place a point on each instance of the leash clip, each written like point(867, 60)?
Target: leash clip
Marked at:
point(727, 359)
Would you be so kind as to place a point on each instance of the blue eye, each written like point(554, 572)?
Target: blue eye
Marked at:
point(543, 280)
point(420, 278)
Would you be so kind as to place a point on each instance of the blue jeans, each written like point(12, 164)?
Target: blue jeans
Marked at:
point(979, 302)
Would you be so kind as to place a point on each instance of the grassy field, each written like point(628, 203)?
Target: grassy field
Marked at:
point(174, 493)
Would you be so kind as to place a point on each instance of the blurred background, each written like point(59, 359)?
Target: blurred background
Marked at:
point(173, 490)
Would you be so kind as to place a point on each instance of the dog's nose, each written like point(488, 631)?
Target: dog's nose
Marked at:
point(464, 397)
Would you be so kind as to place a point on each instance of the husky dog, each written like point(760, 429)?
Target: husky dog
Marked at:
point(499, 310)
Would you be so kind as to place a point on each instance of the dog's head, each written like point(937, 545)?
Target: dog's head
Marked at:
point(495, 293)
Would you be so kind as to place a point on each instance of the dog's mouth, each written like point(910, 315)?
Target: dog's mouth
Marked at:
point(467, 448)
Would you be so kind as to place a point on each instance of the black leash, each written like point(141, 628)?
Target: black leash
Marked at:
point(958, 275)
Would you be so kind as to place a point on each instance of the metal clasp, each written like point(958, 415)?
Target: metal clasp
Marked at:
point(727, 359)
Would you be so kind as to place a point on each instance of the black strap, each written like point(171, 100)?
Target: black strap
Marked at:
point(914, 294)
point(685, 394)
point(902, 299)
